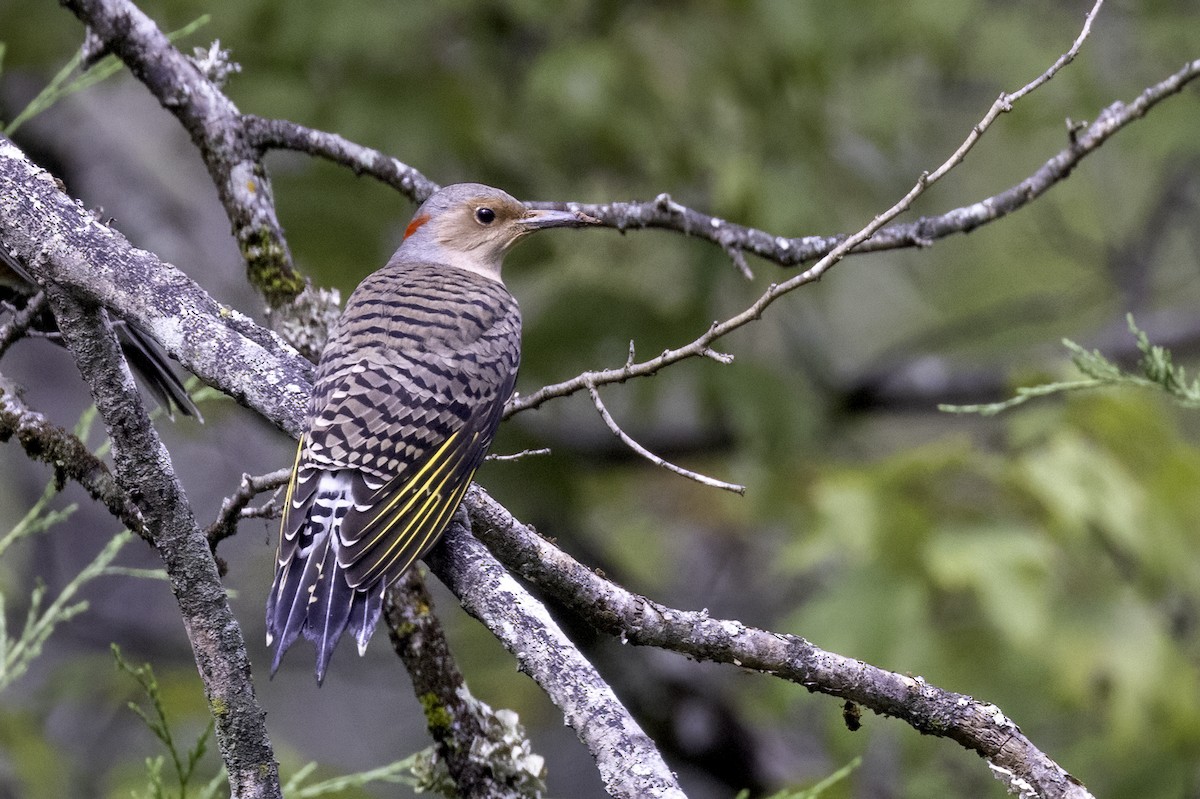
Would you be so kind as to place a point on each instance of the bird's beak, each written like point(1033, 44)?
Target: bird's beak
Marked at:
point(538, 220)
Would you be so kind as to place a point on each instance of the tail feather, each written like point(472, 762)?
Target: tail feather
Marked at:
point(148, 360)
point(311, 595)
point(364, 615)
point(280, 608)
point(328, 608)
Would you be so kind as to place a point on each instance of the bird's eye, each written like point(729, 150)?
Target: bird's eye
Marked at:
point(486, 216)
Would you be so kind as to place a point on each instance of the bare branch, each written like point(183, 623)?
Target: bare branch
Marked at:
point(69, 456)
point(144, 470)
point(233, 507)
point(516, 456)
point(650, 456)
point(15, 328)
point(627, 759)
point(480, 766)
point(213, 122)
point(871, 238)
point(1064, 59)
point(608, 607)
point(281, 134)
point(1004, 104)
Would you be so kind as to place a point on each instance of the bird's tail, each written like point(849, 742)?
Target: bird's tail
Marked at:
point(310, 595)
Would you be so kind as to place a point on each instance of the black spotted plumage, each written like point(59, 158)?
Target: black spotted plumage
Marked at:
point(408, 395)
point(409, 391)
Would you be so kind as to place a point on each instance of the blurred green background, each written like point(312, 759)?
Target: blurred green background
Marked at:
point(1047, 560)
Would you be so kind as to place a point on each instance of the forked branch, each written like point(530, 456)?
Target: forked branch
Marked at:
point(924, 232)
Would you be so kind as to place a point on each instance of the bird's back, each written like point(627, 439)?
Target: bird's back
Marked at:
point(407, 397)
point(414, 354)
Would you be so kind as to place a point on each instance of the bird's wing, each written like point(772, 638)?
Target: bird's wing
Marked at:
point(408, 395)
point(407, 414)
point(393, 524)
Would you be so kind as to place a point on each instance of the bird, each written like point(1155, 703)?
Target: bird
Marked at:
point(407, 396)
point(143, 355)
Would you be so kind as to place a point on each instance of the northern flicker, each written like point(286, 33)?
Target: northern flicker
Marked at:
point(408, 394)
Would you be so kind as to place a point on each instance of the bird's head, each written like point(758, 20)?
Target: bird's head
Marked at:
point(471, 226)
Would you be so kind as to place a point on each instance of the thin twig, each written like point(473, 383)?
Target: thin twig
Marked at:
point(1065, 58)
point(18, 325)
point(1003, 104)
point(1113, 118)
point(233, 507)
point(272, 509)
point(516, 456)
point(650, 456)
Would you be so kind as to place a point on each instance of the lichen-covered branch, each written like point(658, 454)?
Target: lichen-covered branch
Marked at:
point(978, 726)
point(190, 89)
point(628, 761)
point(60, 241)
point(212, 120)
point(479, 765)
point(144, 471)
point(45, 441)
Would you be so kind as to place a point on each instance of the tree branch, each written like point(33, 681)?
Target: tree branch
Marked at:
point(213, 122)
point(144, 470)
point(282, 134)
point(61, 242)
point(190, 322)
point(16, 327)
point(665, 213)
point(233, 507)
point(59, 239)
point(70, 457)
point(627, 759)
point(480, 766)
point(610, 608)
point(630, 442)
point(233, 160)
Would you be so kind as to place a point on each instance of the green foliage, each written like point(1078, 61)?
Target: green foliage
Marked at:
point(1065, 559)
point(155, 718)
point(397, 773)
point(814, 791)
point(68, 80)
point(1157, 371)
point(184, 780)
point(18, 652)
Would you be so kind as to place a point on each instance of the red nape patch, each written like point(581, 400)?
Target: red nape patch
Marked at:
point(416, 223)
